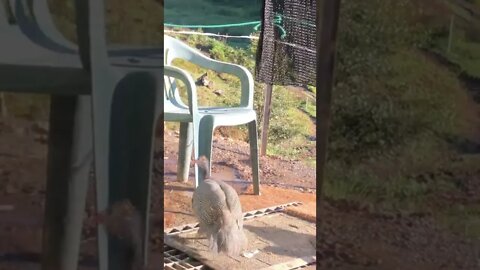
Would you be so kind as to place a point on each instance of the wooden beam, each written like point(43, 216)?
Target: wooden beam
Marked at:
point(327, 24)
point(266, 118)
point(58, 183)
point(299, 262)
point(3, 105)
point(450, 33)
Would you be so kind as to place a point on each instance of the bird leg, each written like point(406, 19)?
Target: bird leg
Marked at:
point(204, 165)
point(123, 221)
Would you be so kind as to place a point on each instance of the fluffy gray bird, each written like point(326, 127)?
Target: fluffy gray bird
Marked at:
point(217, 207)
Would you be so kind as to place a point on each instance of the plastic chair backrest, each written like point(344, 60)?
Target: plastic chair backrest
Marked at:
point(174, 48)
point(171, 95)
point(91, 34)
point(43, 17)
point(23, 10)
point(6, 15)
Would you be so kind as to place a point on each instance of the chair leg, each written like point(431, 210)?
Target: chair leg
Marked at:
point(101, 141)
point(111, 187)
point(205, 137)
point(184, 151)
point(196, 147)
point(131, 151)
point(253, 138)
point(69, 163)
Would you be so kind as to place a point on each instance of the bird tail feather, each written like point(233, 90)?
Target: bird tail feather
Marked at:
point(231, 240)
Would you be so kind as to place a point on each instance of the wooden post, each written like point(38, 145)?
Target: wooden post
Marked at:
point(450, 33)
point(3, 105)
point(266, 118)
point(327, 24)
point(59, 186)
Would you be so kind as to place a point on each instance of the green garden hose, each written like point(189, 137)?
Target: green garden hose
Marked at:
point(277, 22)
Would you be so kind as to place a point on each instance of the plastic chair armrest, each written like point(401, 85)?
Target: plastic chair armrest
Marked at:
point(246, 78)
point(186, 78)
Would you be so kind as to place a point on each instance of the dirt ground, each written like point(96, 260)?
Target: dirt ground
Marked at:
point(230, 162)
point(352, 237)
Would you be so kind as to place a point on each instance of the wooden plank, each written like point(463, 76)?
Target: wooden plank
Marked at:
point(292, 264)
point(307, 211)
point(450, 33)
point(327, 24)
point(58, 184)
point(266, 118)
point(3, 105)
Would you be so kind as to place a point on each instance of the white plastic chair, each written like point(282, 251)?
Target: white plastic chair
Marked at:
point(199, 122)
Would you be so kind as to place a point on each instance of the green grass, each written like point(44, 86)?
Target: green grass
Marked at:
point(141, 23)
point(206, 96)
point(361, 185)
point(30, 106)
point(467, 55)
point(464, 51)
point(424, 103)
point(309, 107)
point(462, 219)
point(393, 185)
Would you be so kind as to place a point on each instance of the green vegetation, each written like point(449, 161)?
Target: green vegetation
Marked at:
point(395, 107)
point(141, 23)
